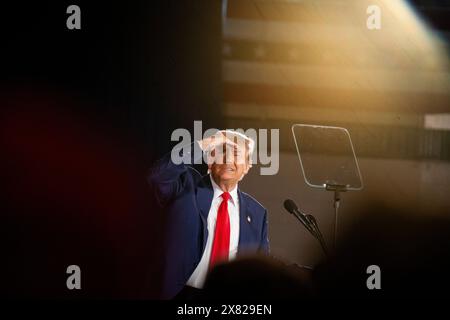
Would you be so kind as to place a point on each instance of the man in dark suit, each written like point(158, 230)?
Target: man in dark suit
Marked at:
point(209, 219)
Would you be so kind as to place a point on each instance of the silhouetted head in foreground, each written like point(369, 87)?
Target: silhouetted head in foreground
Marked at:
point(256, 279)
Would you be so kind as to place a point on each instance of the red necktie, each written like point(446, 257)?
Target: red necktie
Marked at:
point(221, 243)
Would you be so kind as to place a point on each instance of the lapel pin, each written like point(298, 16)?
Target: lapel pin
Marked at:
point(249, 219)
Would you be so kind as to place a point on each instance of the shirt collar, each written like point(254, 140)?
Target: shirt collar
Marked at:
point(218, 192)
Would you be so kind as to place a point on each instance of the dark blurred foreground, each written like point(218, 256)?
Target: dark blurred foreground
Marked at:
point(412, 252)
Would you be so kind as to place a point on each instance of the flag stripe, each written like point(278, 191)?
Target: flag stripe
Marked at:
point(350, 55)
point(314, 114)
point(335, 11)
point(335, 77)
point(277, 95)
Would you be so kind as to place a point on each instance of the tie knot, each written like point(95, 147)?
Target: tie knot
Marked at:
point(226, 196)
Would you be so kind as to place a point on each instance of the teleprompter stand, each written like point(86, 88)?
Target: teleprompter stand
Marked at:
point(328, 162)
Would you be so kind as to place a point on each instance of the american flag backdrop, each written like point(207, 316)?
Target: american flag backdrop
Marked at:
point(316, 61)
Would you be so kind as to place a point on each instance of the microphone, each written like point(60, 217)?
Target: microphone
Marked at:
point(292, 208)
point(308, 221)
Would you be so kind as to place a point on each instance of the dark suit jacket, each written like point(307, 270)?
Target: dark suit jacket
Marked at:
point(186, 197)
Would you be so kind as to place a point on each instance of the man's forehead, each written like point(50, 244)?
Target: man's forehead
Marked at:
point(236, 136)
point(239, 147)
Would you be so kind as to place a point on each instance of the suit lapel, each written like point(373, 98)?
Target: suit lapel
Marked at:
point(244, 224)
point(204, 196)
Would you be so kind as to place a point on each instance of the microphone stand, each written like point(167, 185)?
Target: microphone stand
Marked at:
point(312, 226)
point(317, 232)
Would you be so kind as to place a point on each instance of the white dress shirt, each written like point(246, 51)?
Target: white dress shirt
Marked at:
point(198, 277)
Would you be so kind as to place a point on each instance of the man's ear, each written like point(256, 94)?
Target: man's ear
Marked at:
point(246, 169)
